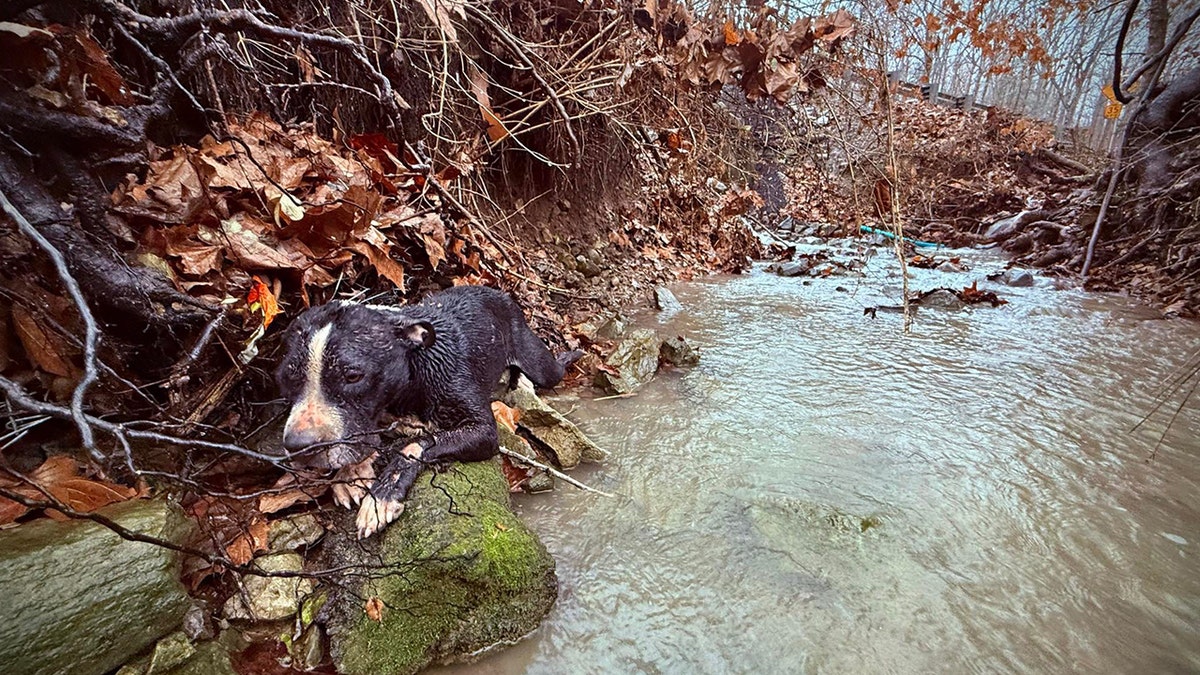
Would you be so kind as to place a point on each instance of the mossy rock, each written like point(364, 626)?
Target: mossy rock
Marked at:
point(77, 598)
point(456, 574)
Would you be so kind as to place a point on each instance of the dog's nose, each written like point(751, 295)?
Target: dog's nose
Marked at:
point(296, 440)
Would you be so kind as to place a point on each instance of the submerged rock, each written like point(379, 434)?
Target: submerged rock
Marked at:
point(790, 269)
point(176, 654)
point(1017, 278)
point(632, 364)
point(678, 352)
point(557, 433)
point(456, 574)
point(940, 298)
point(80, 599)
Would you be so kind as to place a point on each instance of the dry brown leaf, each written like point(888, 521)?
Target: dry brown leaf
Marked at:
point(436, 10)
point(10, 511)
point(496, 130)
point(247, 248)
point(382, 261)
point(506, 415)
point(243, 548)
point(171, 193)
point(85, 495)
point(374, 609)
point(435, 251)
point(273, 503)
point(46, 349)
point(90, 61)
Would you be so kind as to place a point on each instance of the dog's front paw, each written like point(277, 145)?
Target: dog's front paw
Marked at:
point(351, 482)
point(375, 514)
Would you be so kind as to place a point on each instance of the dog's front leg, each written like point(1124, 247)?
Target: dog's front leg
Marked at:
point(385, 502)
point(468, 443)
point(351, 482)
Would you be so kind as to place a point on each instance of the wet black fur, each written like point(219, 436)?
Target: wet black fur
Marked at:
point(477, 334)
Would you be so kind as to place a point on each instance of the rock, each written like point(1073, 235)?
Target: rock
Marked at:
point(950, 266)
point(1017, 278)
point(196, 624)
point(940, 298)
point(211, 658)
point(271, 598)
point(79, 599)
point(790, 269)
point(309, 650)
point(173, 656)
point(635, 361)
point(613, 328)
point(471, 576)
point(540, 482)
point(170, 652)
point(666, 302)
point(551, 428)
point(786, 225)
point(289, 534)
point(586, 267)
point(678, 352)
point(511, 441)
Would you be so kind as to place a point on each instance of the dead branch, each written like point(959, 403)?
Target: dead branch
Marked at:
point(555, 472)
point(505, 37)
point(92, 332)
point(247, 21)
point(123, 432)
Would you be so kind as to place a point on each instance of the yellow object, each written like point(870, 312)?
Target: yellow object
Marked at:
point(1112, 111)
point(1107, 90)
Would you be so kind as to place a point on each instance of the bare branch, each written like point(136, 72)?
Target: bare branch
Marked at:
point(92, 332)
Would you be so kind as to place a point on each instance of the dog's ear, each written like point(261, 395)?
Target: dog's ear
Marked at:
point(419, 334)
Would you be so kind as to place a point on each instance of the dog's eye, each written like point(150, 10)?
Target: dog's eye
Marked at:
point(354, 376)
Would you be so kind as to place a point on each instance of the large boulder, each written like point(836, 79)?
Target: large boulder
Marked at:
point(77, 598)
point(456, 574)
point(631, 365)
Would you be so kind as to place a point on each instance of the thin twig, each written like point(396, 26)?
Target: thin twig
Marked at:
point(552, 471)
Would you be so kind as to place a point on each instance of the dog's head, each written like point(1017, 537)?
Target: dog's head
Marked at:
point(344, 364)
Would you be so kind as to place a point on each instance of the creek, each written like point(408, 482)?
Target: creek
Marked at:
point(825, 493)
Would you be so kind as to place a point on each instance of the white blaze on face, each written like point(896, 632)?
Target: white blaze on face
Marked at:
point(312, 415)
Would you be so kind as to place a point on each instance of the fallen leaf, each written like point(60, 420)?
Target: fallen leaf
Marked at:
point(374, 609)
point(46, 349)
point(85, 495)
point(261, 299)
point(496, 130)
point(506, 415)
point(273, 503)
point(435, 251)
point(243, 548)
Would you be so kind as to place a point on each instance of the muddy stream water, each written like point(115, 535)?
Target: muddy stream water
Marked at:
point(826, 494)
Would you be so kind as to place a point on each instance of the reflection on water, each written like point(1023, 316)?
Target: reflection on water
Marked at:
point(825, 494)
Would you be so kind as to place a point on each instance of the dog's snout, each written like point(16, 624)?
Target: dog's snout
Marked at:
point(296, 440)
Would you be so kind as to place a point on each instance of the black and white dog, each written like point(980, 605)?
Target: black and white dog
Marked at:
point(441, 359)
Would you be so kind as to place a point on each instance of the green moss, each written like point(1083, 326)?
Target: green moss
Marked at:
point(469, 574)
